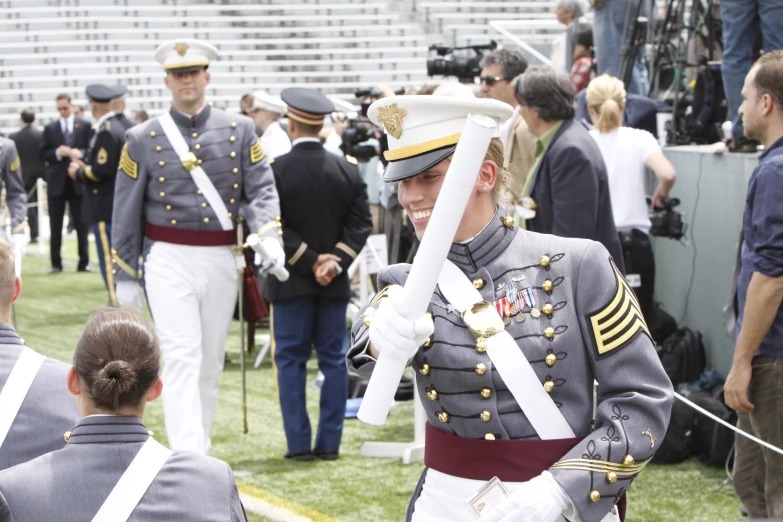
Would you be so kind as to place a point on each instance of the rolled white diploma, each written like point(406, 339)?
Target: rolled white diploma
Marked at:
point(254, 242)
point(438, 237)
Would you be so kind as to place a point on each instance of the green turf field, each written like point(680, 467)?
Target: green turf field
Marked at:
point(52, 310)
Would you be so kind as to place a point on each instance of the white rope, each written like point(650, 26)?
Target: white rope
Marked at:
point(734, 428)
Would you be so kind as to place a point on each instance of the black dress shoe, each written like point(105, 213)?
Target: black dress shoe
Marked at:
point(307, 456)
point(327, 455)
point(87, 268)
point(56, 270)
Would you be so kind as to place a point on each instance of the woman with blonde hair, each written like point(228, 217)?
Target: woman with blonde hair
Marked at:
point(111, 468)
point(627, 152)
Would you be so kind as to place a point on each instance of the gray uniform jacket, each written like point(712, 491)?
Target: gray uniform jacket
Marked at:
point(11, 173)
point(70, 485)
point(153, 186)
point(48, 409)
point(590, 327)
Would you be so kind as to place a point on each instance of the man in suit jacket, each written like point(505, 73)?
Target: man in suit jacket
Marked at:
point(28, 144)
point(64, 140)
point(567, 191)
point(47, 409)
point(499, 70)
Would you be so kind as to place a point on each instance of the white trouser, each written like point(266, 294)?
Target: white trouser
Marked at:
point(191, 291)
point(444, 499)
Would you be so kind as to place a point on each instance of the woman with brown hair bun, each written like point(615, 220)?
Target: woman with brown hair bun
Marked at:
point(111, 467)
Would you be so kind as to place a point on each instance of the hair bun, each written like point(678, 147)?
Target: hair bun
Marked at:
point(113, 380)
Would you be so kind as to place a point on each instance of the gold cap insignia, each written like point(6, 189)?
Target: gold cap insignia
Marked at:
point(391, 117)
point(181, 47)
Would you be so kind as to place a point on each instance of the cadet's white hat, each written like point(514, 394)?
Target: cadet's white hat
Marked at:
point(343, 106)
point(268, 102)
point(424, 130)
point(185, 54)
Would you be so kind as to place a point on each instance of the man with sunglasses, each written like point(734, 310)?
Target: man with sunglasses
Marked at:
point(499, 69)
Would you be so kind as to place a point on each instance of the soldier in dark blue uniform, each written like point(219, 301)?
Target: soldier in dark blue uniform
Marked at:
point(97, 173)
point(326, 221)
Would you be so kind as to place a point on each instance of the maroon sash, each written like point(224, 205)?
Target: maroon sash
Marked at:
point(508, 460)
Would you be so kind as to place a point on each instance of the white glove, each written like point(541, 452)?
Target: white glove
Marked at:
point(540, 499)
point(390, 330)
point(275, 252)
point(129, 294)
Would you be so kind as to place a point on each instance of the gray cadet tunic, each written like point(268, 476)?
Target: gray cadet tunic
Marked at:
point(70, 485)
point(11, 174)
point(152, 184)
point(575, 285)
point(48, 409)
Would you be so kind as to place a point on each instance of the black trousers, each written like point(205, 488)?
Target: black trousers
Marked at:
point(56, 213)
point(32, 213)
point(638, 257)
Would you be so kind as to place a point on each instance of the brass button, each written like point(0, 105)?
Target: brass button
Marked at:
point(206, 220)
point(197, 147)
point(198, 192)
point(432, 394)
point(430, 315)
point(232, 139)
point(195, 134)
point(161, 163)
point(168, 207)
point(235, 170)
point(549, 386)
point(481, 368)
point(443, 416)
point(628, 460)
point(595, 496)
point(479, 283)
point(114, 272)
point(152, 134)
point(231, 201)
point(489, 436)
point(549, 332)
point(161, 179)
point(114, 251)
point(236, 185)
point(544, 261)
point(428, 342)
point(548, 309)
point(151, 433)
point(94, 191)
point(163, 194)
point(508, 222)
point(67, 436)
point(173, 221)
point(158, 148)
point(486, 415)
point(547, 286)
point(481, 345)
point(230, 214)
point(233, 125)
point(199, 161)
point(486, 392)
point(424, 369)
point(611, 477)
point(551, 359)
point(233, 154)
point(368, 315)
point(204, 205)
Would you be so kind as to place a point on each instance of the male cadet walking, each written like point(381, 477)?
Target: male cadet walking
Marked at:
point(16, 197)
point(182, 178)
point(326, 220)
point(98, 171)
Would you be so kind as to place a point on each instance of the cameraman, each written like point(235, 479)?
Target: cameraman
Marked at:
point(626, 152)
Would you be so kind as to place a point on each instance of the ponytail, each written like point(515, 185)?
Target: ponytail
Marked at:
point(606, 95)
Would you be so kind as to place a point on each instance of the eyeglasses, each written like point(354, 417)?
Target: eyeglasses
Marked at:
point(490, 80)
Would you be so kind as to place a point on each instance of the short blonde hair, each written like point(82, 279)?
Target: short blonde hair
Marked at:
point(7, 275)
point(606, 95)
point(495, 154)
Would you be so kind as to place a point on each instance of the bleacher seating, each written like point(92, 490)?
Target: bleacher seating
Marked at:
point(53, 46)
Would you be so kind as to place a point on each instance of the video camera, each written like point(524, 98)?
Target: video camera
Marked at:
point(667, 222)
point(360, 130)
point(464, 68)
